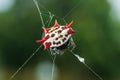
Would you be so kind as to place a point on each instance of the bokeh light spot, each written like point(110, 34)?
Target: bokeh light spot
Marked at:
point(6, 5)
point(115, 11)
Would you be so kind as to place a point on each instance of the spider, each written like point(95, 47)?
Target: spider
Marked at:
point(58, 38)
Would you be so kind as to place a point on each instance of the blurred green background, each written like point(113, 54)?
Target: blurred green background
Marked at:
point(97, 37)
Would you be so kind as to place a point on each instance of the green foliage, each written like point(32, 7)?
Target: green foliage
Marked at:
point(97, 35)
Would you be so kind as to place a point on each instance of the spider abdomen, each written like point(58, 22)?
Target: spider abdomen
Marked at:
point(57, 36)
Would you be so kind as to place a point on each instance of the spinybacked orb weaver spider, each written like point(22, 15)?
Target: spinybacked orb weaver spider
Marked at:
point(58, 38)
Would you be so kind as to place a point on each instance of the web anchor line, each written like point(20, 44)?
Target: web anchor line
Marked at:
point(53, 67)
point(83, 61)
point(29, 58)
point(75, 6)
point(51, 17)
point(40, 13)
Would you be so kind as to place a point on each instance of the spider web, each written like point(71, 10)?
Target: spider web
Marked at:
point(45, 13)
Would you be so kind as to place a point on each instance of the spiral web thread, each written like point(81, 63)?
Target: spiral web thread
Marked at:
point(50, 16)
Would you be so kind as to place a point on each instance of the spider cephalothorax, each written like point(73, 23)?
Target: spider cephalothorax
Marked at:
point(57, 36)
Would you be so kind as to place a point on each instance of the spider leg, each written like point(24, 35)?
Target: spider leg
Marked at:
point(71, 45)
point(55, 51)
point(52, 51)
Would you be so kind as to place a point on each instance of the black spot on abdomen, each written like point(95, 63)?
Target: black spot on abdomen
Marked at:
point(64, 46)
